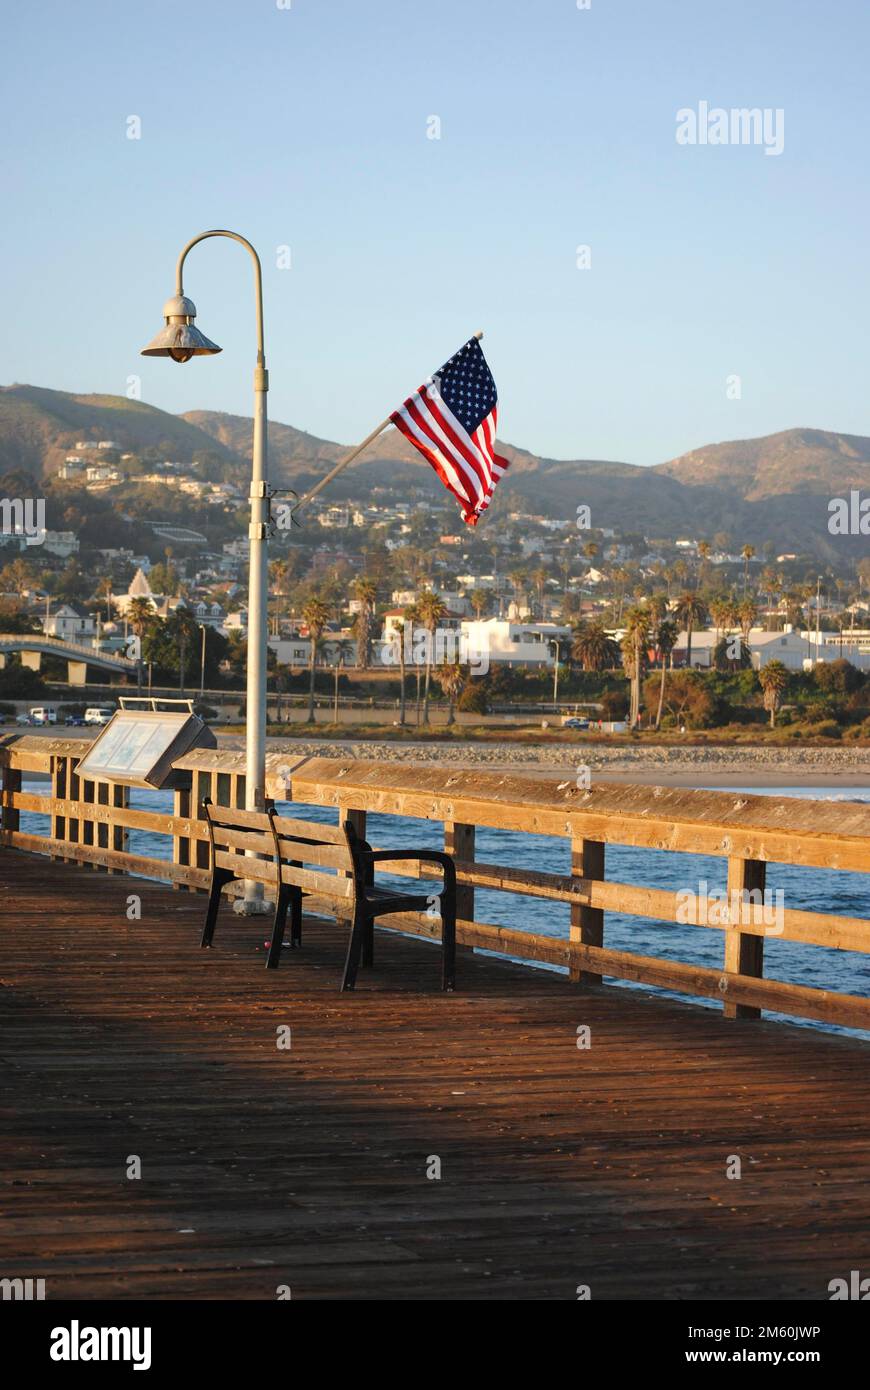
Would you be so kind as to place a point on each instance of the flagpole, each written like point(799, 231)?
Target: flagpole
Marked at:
point(339, 467)
point(344, 463)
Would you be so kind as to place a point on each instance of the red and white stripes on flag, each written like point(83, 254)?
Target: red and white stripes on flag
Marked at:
point(451, 419)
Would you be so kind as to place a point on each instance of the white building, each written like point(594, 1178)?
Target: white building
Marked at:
point(68, 624)
point(514, 643)
point(787, 646)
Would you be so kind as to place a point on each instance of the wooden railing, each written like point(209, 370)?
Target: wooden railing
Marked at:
point(90, 822)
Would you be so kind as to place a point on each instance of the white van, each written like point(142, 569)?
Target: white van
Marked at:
point(99, 714)
point(43, 714)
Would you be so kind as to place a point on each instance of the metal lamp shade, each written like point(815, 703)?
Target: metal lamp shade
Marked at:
point(179, 338)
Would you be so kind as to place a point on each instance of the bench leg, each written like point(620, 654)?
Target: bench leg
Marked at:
point(296, 919)
point(368, 946)
point(354, 949)
point(285, 897)
point(448, 943)
point(219, 880)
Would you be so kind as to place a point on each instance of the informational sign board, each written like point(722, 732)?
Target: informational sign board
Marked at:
point(138, 747)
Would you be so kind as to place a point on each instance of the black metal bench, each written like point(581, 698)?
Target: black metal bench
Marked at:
point(290, 856)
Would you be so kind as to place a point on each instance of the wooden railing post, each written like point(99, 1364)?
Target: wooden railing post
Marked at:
point(744, 953)
point(587, 923)
point(181, 843)
point(11, 816)
point(459, 841)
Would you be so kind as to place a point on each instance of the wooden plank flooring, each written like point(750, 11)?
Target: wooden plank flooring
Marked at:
point(307, 1168)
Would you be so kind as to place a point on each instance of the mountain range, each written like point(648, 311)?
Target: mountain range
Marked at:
point(775, 488)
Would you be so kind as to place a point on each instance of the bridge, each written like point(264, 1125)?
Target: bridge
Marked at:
point(32, 646)
point(535, 1134)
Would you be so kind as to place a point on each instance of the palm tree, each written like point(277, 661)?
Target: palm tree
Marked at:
point(747, 612)
point(366, 591)
point(690, 609)
point(139, 614)
point(432, 614)
point(634, 649)
point(774, 679)
point(411, 616)
point(519, 579)
point(451, 679)
point(594, 648)
point(340, 650)
point(479, 600)
point(703, 556)
point(316, 616)
point(666, 640)
point(539, 579)
point(720, 612)
point(748, 552)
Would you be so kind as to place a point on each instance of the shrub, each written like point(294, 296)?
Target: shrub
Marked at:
point(474, 698)
point(838, 677)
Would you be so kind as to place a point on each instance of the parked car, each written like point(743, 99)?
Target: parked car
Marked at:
point(74, 721)
point(23, 719)
point(99, 714)
point(576, 724)
point(43, 714)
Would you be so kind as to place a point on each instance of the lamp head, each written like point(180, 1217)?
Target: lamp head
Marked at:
point(179, 338)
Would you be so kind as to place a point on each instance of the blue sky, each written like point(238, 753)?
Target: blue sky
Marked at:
point(307, 127)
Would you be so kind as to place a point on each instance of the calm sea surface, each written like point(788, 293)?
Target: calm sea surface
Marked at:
point(811, 889)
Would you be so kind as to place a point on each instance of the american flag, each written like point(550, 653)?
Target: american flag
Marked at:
point(451, 419)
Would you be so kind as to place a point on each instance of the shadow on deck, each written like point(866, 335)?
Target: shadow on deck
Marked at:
point(308, 1168)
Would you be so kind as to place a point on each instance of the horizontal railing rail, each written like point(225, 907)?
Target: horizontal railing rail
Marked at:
point(90, 823)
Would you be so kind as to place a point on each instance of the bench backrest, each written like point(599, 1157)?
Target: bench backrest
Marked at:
point(252, 844)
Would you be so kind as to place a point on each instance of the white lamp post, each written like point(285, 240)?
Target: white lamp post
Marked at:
point(180, 339)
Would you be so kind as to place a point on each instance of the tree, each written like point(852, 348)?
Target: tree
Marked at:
point(316, 616)
point(747, 613)
point(182, 630)
point(519, 579)
point(411, 616)
point(774, 679)
point(139, 614)
point(539, 579)
point(634, 651)
point(666, 640)
point(594, 648)
point(366, 592)
point(479, 600)
point(451, 679)
point(691, 611)
point(432, 613)
point(721, 611)
point(341, 649)
point(726, 659)
point(748, 553)
point(688, 699)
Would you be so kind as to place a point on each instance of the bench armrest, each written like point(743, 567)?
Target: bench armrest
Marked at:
point(435, 855)
point(432, 856)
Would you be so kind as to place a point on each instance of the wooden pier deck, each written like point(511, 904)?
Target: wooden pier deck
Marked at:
point(307, 1168)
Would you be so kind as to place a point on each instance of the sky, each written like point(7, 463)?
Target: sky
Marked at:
point(723, 295)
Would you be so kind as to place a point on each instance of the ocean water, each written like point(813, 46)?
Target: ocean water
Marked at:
point(810, 889)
